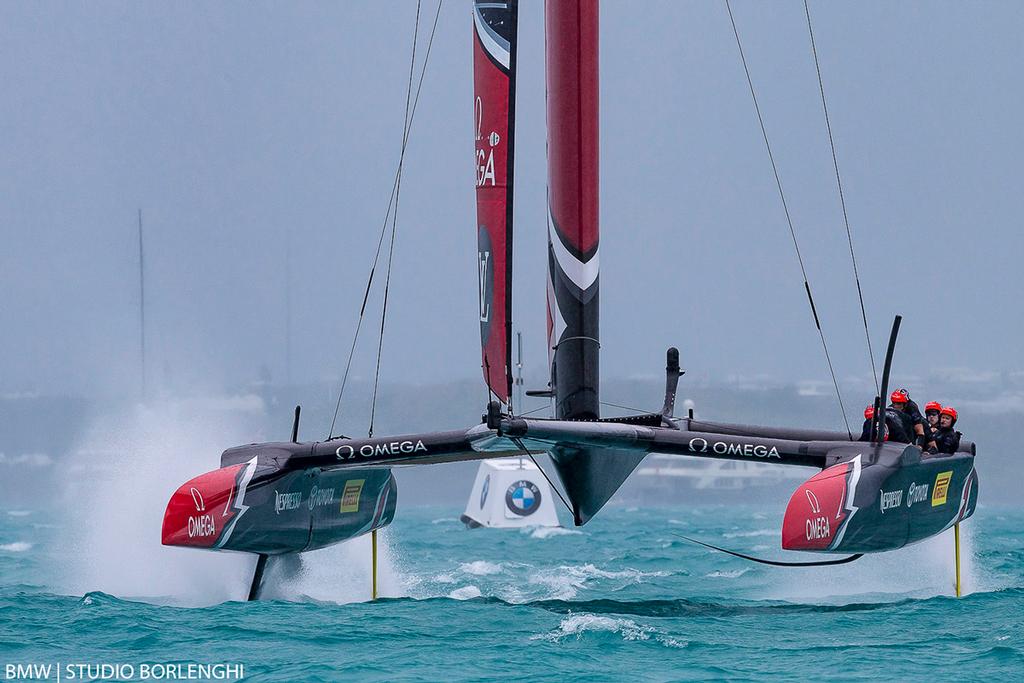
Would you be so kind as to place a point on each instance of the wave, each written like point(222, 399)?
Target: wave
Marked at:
point(481, 568)
point(19, 513)
point(695, 607)
point(580, 624)
point(727, 574)
point(543, 532)
point(566, 581)
point(752, 534)
point(444, 520)
point(465, 593)
point(16, 547)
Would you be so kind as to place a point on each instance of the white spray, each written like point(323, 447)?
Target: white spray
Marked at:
point(922, 570)
point(116, 489)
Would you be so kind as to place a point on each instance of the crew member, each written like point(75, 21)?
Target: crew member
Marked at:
point(931, 413)
point(920, 429)
point(947, 438)
point(869, 418)
point(898, 419)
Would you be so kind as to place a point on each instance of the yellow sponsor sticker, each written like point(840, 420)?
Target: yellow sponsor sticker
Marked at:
point(941, 488)
point(350, 495)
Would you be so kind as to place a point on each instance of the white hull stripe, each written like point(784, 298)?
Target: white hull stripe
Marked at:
point(583, 275)
point(239, 504)
point(851, 495)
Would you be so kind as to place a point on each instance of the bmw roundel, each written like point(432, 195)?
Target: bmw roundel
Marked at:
point(483, 491)
point(522, 498)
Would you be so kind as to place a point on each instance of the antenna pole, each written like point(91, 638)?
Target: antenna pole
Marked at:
point(295, 424)
point(142, 309)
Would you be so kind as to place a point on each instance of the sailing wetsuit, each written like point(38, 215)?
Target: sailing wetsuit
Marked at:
point(948, 440)
point(900, 424)
point(891, 426)
point(916, 418)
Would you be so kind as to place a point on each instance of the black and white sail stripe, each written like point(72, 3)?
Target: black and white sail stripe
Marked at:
point(491, 18)
point(582, 273)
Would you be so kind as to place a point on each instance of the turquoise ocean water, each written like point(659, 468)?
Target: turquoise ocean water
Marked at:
point(621, 599)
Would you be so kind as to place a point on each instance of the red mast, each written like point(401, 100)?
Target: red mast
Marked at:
point(571, 28)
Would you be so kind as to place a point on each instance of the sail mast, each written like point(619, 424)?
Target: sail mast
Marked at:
point(494, 89)
point(571, 28)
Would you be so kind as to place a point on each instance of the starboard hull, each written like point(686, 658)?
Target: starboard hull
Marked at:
point(864, 506)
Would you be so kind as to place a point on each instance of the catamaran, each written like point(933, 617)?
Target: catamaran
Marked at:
point(281, 498)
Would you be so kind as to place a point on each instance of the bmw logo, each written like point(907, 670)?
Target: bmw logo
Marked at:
point(523, 498)
point(484, 490)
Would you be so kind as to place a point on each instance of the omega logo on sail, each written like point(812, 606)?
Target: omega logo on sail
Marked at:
point(369, 450)
point(484, 159)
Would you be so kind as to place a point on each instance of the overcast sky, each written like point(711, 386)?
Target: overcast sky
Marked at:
point(243, 128)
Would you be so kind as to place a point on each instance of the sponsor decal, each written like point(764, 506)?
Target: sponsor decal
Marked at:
point(816, 527)
point(287, 501)
point(319, 497)
point(941, 488)
point(201, 526)
point(484, 158)
point(484, 280)
point(522, 497)
point(751, 450)
point(890, 500)
point(369, 450)
point(484, 490)
point(812, 500)
point(350, 495)
point(917, 493)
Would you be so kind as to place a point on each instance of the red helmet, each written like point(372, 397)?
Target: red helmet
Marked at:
point(951, 411)
point(899, 396)
point(933, 405)
point(869, 412)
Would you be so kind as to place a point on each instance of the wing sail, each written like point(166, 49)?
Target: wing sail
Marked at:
point(494, 86)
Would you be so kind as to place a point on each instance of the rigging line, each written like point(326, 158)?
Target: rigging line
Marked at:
point(616, 405)
point(535, 410)
point(394, 220)
point(383, 229)
point(842, 197)
point(789, 218)
point(554, 488)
